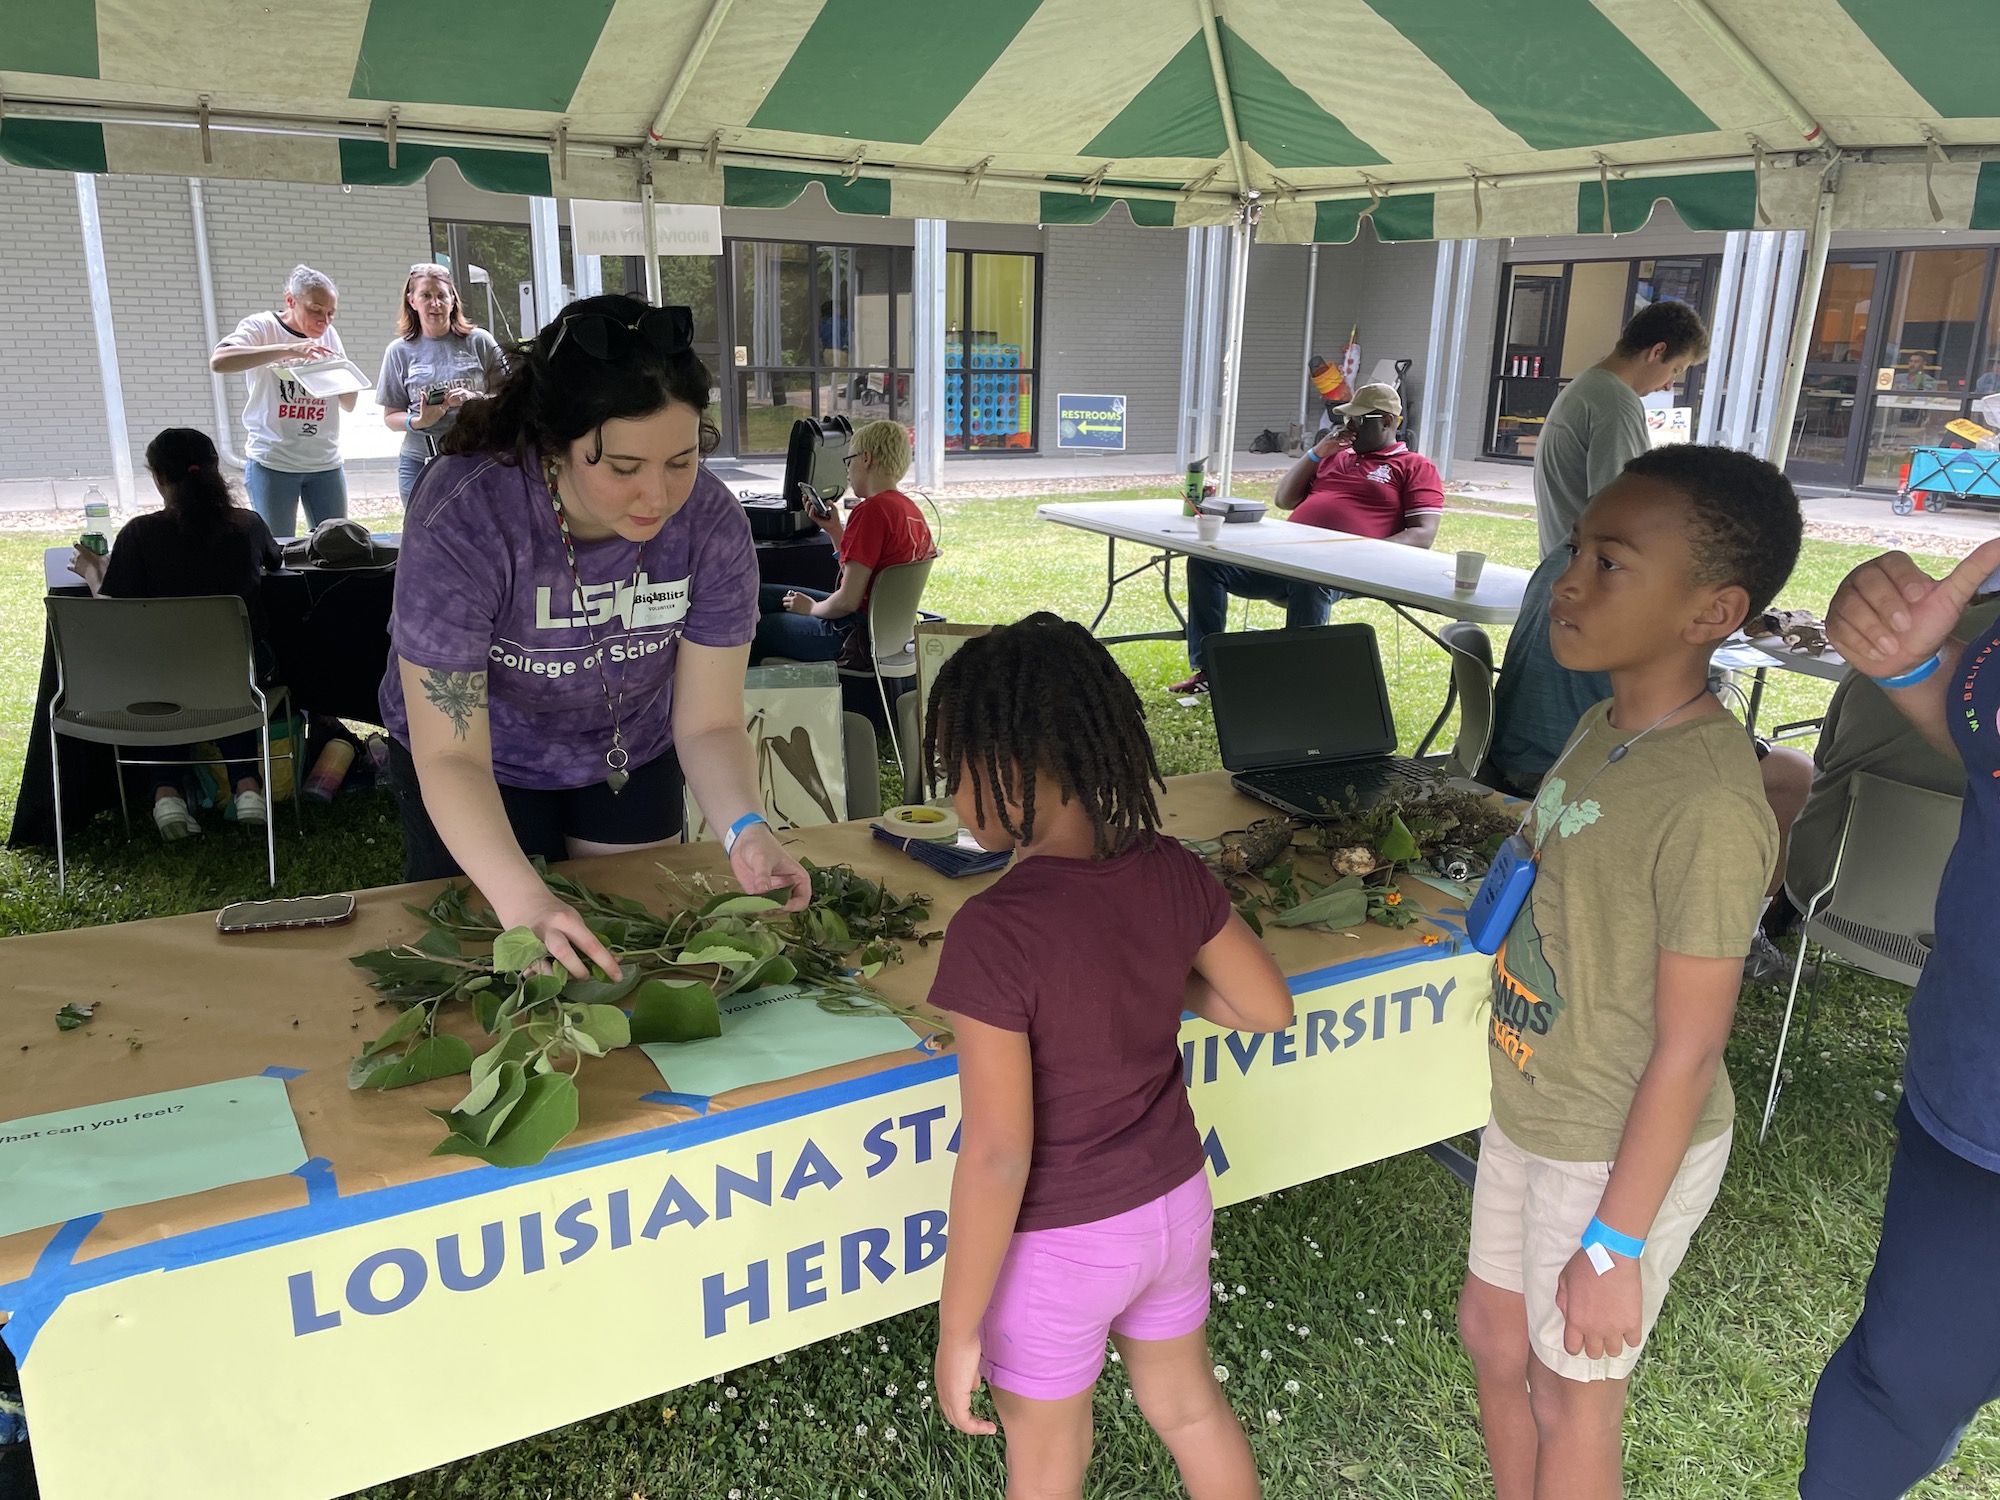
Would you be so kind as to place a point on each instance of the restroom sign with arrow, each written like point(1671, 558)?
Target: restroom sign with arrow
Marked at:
point(1091, 422)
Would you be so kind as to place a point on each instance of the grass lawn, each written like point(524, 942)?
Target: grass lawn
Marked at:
point(1338, 1329)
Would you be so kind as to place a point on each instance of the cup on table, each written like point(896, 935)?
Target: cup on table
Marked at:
point(1208, 527)
point(1470, 566)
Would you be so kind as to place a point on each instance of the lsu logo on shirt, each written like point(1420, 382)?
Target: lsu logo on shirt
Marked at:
point(634, 603)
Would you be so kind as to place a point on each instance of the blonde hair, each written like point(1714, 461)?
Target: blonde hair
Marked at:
point(887, 447)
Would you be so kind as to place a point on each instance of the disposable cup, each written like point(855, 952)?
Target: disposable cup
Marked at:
point(1208, 527)
point(1470, 566)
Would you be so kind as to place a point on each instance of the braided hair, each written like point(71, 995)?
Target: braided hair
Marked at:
point(1044, 695)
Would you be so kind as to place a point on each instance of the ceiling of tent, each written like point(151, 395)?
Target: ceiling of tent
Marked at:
point(1570, 116)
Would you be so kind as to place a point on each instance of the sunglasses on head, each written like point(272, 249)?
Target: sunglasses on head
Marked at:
point(668, 330)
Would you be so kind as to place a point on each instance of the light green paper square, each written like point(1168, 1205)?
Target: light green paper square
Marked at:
point(771, 1033)
point(144, 1150)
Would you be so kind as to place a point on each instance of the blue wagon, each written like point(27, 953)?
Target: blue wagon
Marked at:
point(1957, 473)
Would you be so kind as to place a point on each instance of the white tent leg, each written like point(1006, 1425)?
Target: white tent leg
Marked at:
point(927, 323)
point(1722, 328)
point(651, 227)
point(1214, 271)
point(1305, 357)
point(588, 269)
point(1435, 374)
point(1454, 363)
point(545, 238)
point(1232, 357)
point(1811, 274)
point(107, 339)
point(1791, 256)
point(205, 275)
point(1753, 323)
point(1184, 439)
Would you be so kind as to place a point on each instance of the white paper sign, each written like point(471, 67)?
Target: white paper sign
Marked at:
point(620, 228)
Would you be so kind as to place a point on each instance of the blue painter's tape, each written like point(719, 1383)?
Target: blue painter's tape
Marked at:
point(57, 1256)
point(277, 1072)
point(1381, 963)
point(33, 1299)
point(65, 1242)
point(696, 1102)
point(317, 1174)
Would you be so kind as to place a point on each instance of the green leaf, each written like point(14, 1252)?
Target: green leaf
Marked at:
point(1247, 910)
point(604, 1024)
point(715, 950)
point(513, 1046)
point(439, 943)
point(545, 1113)
point(433, 1057)
point(483, 1092)
point(1398, 843)
point(1342, 904)
point(516, 949)
point(478, 1126)
point(729, 906)
point(664, 1011)
point(602, 991)
point(543, 988)
point(72, 1016)
point(408, 1024)
point(361, 1072)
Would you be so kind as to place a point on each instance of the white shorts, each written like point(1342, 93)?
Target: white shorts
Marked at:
point(1528, 1217)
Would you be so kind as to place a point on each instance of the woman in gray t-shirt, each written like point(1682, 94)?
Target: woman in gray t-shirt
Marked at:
point(436, 363)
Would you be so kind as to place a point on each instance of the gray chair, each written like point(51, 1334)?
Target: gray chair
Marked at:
point(895, 596)
point(863, 755)
point(1472, 691)
point(1878, 909)
point(155, 672)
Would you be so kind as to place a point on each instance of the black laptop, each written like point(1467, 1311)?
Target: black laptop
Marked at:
point(1303, 715)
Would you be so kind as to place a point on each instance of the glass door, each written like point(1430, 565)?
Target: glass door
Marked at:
point(1530, 351)
point(1827, 433)
point(1923, 373)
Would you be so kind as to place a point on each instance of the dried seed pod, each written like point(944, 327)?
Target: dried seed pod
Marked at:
point(1251, 849)
point(1355, 859)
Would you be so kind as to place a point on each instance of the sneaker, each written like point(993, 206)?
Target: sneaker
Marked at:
point(250, 808)
point(1767, 964)
point(172, 818)
point(1198, 683)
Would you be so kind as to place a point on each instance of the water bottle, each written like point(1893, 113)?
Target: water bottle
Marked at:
point(1194, 487)
point(329, 770)
point(97, 523)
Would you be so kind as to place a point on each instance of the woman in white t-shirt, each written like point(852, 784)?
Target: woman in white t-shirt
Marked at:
point(293, 454)
point(436, 363)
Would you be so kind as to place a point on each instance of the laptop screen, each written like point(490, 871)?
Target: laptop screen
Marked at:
point(1288, 697)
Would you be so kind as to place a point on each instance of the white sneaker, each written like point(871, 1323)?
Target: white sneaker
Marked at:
point(172, 818)
point(251, 809)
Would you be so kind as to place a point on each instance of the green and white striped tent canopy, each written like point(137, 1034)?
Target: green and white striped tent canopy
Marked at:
point(1570, 116)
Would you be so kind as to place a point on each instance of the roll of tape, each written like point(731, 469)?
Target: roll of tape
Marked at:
point(937, 825)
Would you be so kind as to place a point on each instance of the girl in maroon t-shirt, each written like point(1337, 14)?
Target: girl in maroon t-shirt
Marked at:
point(1080, 1204)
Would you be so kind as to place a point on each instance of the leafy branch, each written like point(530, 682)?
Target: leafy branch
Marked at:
point(675, 969)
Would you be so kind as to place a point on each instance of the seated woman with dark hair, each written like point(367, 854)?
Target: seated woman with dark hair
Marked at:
point(203, 542)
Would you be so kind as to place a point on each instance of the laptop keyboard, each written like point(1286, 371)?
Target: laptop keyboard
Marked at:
point(1370, 781)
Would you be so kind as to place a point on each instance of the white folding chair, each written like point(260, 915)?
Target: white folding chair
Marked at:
point(895, 596)
point(154, 672)
point(1878, 909)
point(1472, 690)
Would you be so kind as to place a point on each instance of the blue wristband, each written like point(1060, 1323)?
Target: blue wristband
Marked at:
point(1600, 1233)
point(1915, 675)
point(740, 827)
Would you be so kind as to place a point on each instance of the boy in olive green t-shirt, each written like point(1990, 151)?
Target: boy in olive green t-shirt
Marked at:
point(1615, 988)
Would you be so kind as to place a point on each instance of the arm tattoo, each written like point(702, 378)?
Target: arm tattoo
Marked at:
point(456, 695)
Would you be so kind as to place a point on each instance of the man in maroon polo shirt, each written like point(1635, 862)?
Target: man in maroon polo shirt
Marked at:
point(1357, 479)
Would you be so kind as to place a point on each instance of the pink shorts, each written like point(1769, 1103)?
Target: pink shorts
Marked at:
point(1142, 1274)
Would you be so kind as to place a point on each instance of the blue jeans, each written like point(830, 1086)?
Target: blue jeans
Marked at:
point(1925, 1354)
point(1209, 586)
point(798, 637)
point(242, 752)
point(408, 467)
point(275, 495)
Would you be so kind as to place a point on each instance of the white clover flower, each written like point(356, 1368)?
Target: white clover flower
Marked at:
point(889, 1390)
point(861, 1429)
point(809, 1411)
point(1399, 1322)
point(1270, 1307)
point(729, 1391)
point(1263, 1353)
point(889, 1433)
point(1215, 1255)
point(1117, 1358)
point(1304, 1332)
point(1291, 1387)
point(1387, 1339)
point(736, 1495)
point(923, 1385)
point(1291, 1328)
point(1218, 1288)
point(1427, 1315)
point(1243, 1291)
point(1272, 1417)
point(777, 1359)
point(763, 1425)
point(714, 1409)
point(1222, 1372)
point(1361, 1341)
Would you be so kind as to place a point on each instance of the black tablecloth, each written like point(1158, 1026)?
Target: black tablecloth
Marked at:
point(809, 562)
point(330, 634)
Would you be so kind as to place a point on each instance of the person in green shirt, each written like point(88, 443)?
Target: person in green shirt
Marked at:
point(1614, 989)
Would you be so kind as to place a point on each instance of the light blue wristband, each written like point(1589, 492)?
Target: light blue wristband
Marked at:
point(1600, 1233)
point(740, 827)
point(1915, 675)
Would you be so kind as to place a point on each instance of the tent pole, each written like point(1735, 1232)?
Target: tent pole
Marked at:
point(690, 65)
point(1753, 323)
point(589, 268)
point(1436, 376)
point(1305, 358)
point(927, 320)
point(1791, 254)
point(545, 241)
point(1214, 267)
point(650, 225)
point(1812, 273)
point(1721, 329)
point(1190, 353)
point(1723, 368)
point(1454, 368)
point(204, 270)
point(107, 339)
point(1232, 355)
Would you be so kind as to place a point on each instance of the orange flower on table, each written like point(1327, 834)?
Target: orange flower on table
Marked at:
point(1394, 898)
point(1431, 940)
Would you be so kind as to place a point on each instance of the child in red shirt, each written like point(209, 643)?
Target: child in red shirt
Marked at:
point(1080, 1204)
point(885, 529)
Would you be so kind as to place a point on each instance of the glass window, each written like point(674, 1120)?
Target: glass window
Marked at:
point(1922, 379)
point(1596, 313)
point(775, 321)
point(989, 351)
point(1846, 301)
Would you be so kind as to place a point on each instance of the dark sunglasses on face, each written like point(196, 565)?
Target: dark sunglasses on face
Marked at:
point(669, 330)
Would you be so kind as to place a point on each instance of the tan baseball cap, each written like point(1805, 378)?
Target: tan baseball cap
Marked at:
point(1373, 399)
